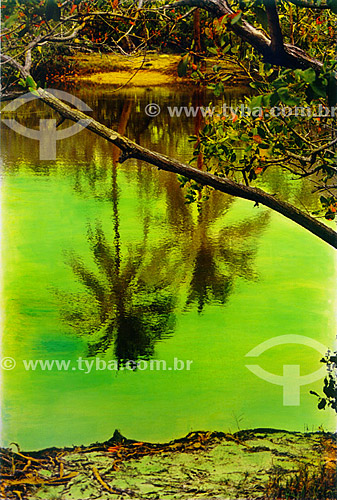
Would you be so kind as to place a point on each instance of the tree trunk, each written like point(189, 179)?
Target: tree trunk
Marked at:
point(197, 31)
point(290, 56)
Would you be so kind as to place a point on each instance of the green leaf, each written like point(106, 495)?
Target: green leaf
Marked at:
point(286, 98)
point(261, 17)
point(23, 31)
point(256, 102)
point(273, 99)
point(218, 89)
point(223, 40)
point(53, 11)
point(11, 20)
point(182, 66)
point(308, 75)
point(30, 82)
point(318, 88)
point(333, 5)
point(332, 91)
point(237, 18)
point(321, 404)
point(213, 50)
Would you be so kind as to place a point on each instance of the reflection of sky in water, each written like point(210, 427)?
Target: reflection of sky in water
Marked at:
point(110, 261)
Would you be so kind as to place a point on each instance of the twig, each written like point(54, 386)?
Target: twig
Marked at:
point(100, 480)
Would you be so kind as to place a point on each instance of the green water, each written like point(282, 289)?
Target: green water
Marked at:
point(106, 261)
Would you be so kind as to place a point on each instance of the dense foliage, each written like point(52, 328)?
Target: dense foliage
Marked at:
point(287, 124)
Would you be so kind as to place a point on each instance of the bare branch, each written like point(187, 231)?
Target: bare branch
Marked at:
point(66, 38)
point(28, 60)
point(225, 185)
point(15, 64)
point(291, 56)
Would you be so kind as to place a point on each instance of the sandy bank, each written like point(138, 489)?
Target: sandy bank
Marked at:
point(255, 464)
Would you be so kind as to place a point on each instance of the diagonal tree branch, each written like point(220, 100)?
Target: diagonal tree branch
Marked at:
point(131, 149)
point(225, 185)
point(290, 57)
point(15, 64)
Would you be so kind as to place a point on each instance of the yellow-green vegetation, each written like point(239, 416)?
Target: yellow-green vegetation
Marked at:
point(115, 69)
point(139, 70)
point(164, 63)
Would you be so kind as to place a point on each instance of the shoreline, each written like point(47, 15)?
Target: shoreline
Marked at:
point(255, 463)
point(136, 71)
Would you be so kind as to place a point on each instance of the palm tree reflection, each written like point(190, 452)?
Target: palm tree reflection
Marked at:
point(130, 299)
point(128, 308)
point(218, 260)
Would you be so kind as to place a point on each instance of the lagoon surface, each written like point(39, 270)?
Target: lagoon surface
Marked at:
point(106, 261)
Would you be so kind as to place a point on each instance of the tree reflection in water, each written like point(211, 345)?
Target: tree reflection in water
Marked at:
point(219, 260)
point(125, 306)
point(130, 300)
